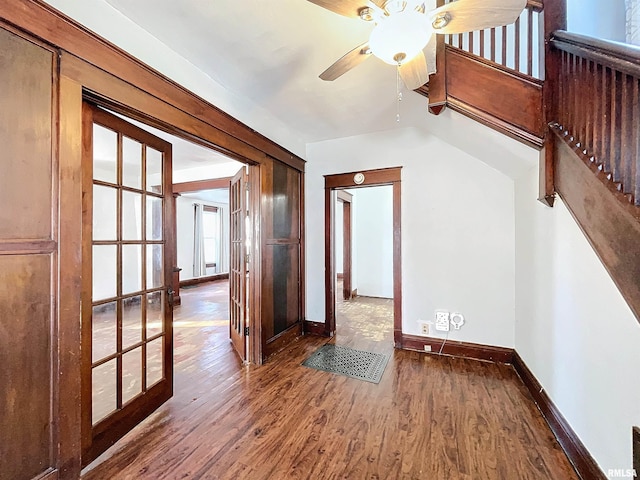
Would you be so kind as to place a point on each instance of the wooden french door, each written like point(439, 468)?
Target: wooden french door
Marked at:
point(238, 263)
point(128, 250)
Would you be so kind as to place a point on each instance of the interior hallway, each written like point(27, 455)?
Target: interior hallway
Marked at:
point(429, 418)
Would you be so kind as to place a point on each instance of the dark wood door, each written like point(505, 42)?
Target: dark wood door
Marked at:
point(238, 263)
point(128, 250)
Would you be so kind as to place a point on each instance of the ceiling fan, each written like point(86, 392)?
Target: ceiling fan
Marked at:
point(403, 34)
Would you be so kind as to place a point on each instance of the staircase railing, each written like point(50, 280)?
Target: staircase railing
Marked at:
point(518, 46)
point(599, 106)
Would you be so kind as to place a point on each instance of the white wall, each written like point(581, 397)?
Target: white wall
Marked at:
point(339, 235)
point(597, 18)
point(574, 329)
point(457, 230)
point(185, 233)
point(373, 207)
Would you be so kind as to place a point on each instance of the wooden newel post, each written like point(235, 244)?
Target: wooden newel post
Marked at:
point(555, 18)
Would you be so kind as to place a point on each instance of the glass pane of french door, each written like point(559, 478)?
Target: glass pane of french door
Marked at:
point(130, 316)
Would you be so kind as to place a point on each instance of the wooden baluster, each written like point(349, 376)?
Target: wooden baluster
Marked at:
point(471, 42)
point(627, 150)
point(575, 99)
point(460, 41)
point(597, 112)
point(530, 41)
point(493, 44)
point(504, 45)
point(583, 101)
point(605, 159)
point(517, 46)
point(482, 43)
point(573, 107)
point(587, 103)
point(592, 119)
point(564, 74)
point(616, 123)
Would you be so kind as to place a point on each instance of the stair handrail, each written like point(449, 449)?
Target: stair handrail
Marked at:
point(598, 107)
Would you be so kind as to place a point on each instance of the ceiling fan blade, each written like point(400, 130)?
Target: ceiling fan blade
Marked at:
point(430, 54)
point(347, 8)
point(471, 15)
point(348, 61)
point(415, 73)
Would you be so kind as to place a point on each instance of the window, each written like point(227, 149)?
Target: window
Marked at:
point(211, 234)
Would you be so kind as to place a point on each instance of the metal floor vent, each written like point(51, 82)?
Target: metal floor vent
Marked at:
point(367, 366)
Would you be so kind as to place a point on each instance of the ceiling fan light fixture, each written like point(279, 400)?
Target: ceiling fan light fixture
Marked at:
point(406, 33)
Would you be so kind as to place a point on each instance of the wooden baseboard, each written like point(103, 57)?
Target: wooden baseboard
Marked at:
point(281, 340)
point(314, 328)
point(209, 278)
point(458, 349)
point(582, 461)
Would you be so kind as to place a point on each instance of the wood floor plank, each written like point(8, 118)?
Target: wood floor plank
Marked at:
point(430, 417)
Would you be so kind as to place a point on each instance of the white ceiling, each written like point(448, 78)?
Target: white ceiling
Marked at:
point(218, 195)
point(189, 160)
point(272, 53)
point(259, 61)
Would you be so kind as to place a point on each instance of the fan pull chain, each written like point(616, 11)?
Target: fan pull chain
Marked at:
point(398, 93)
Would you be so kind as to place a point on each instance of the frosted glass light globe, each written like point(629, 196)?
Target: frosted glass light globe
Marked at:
point(406, 32)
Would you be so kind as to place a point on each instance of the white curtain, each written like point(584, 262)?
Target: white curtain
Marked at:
point(633, 21)
point(199, 264)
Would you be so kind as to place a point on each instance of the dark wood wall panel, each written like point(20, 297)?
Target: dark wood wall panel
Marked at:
point(282, 199)
point(28, 374)
point(510, 103)
point(25, 356)
point(281, 269)
point(26, 72)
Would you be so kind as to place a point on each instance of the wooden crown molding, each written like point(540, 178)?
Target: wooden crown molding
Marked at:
point(53, 27)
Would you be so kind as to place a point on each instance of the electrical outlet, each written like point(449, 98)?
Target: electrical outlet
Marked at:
point(427, 348)
point(442, 321)
point(424, 328)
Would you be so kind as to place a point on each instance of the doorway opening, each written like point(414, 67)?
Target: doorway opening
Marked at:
point(139, 234)
point(378, 274)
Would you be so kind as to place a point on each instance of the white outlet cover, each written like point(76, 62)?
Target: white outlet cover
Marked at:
point(442, 321)
point(424, 328)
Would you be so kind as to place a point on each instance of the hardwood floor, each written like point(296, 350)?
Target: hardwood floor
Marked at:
point(430, 417)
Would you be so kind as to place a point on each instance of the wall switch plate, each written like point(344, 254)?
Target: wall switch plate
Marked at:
point(442, 321)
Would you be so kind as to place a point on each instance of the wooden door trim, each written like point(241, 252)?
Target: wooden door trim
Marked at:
point(54, 27)
point(197, 185)
point(70, 278)
point(378, 177)
point(255, 354)
point(345, 198)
